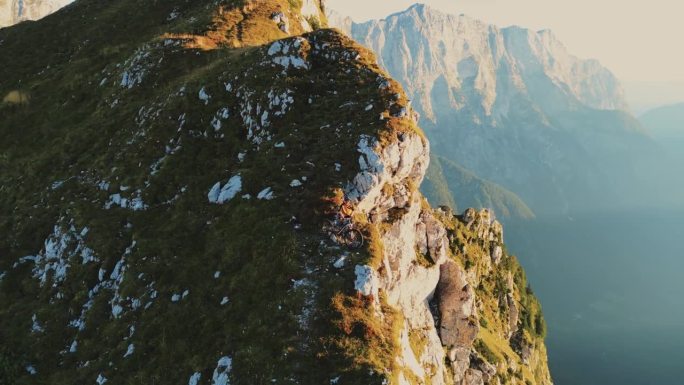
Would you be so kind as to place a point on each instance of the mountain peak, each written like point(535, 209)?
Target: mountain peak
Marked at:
point(418, 9)
point(489, 56)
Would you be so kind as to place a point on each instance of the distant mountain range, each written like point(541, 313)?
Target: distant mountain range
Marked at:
point(665, 122)
point(644, 96)
point(666, 126)
point(509, 105)
point(515, 107)
point(447, 183)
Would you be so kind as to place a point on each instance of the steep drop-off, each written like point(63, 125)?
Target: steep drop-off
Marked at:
point(446, 180)
point(167, 169)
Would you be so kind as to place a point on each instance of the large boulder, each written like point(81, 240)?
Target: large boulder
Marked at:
point(459, 358)
point(456, 299)
point(497, 254)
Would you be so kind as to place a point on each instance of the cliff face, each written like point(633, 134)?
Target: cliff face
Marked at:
point(164, 192)
point(467, 314)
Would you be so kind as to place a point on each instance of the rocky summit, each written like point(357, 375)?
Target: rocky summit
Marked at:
point(167, 170)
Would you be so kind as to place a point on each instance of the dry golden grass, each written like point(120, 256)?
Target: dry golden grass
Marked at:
point(368, 339)
point(16, 97)
point(243, 26)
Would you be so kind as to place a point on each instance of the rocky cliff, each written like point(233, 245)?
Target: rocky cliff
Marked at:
point(514, 107)
point(167, 172)
point(14, 11)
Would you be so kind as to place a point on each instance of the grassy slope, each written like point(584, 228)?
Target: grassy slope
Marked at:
point(76, 124)
point(447, 183)
point(67, 119)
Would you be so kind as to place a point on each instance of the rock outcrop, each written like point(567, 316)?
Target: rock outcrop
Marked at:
point(458, 316)
point(15, 11)
point(429, 278)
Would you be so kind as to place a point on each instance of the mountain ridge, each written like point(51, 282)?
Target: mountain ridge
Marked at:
point(173, 176)
point(550, 52)
point(514, 107)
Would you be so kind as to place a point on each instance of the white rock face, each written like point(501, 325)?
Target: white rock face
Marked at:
point(435, 294)
point(266, 194)
point(195, 378)
point(311, 8)
point(310, 11)
point(398, 162)
point(221, 195)
point(339, 21)
point(409, 286)
point(287, 53)
point(366, 281)
point(15, 11)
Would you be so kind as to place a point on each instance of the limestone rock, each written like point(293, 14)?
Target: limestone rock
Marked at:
point(399, 161)
point(473, 377)
point(497, 253)
point(15, 11)
point(458, 324)
point(513, 314)
point(459, 358)
point(488, 370)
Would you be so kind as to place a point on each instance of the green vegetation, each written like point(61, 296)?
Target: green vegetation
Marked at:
point(9, 366)
point(486, 352)
point(133, 116)
point(370, 341)
point(423, 260)
point(531, 316)
point(498, 285)
point(90, 132)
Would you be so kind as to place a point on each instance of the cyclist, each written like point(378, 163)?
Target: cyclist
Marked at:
point(341, 228)
point(337, 205)
point(346, 209)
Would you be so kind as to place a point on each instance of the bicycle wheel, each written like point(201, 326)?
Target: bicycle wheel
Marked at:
point(353, 238)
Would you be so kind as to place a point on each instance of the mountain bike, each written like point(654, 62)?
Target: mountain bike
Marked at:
point(343, 232)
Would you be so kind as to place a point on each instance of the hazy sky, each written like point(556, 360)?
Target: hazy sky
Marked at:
point(638, 40)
